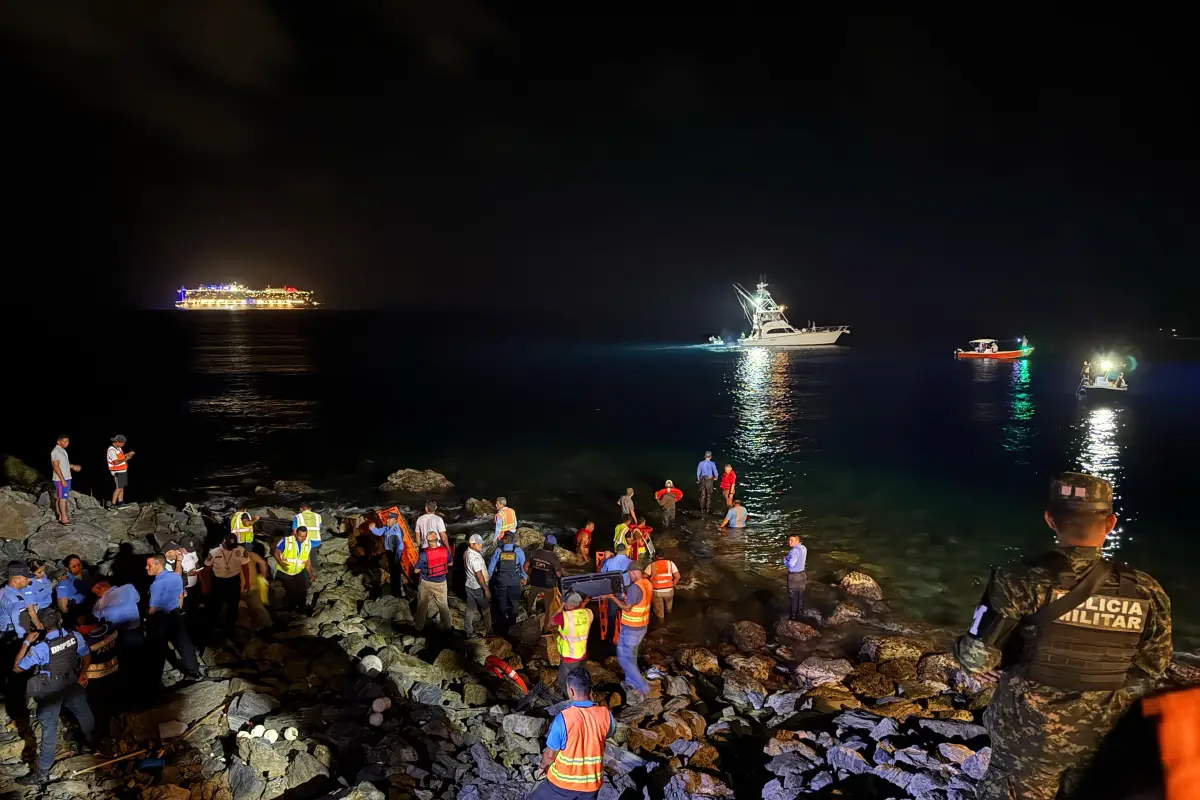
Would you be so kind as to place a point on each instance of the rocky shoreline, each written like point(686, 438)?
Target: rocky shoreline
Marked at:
point(352, 702)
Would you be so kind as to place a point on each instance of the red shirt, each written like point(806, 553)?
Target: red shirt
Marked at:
point(728, 479)
point(557, 621)
point(583, 538)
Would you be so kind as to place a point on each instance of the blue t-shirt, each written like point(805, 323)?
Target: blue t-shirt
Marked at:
point(556, 739)
point(706, 469)
point(165, 591)
point(39, 654)
point(618, 563)
point(119, 605)
point(39, 593)
point(736, 517)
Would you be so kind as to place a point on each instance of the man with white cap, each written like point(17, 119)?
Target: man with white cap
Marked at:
point(573, 624)
point(479, 597)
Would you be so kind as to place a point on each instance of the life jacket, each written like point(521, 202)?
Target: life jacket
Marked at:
point(638, 616)
point(573, 633)
point(116, 459)
point(1178, 746)
point(508, 571)
point(579, 766)
point(102, 643)
point(674, 492)
point(438, 560)
point(311, 520)
point(62, 671)
point(295, 555)
point(541, 570)
point(408, 560)
point(241, 527)
point(1092, 646)
point(662, 575)
point(508, 519)
point(502, 670)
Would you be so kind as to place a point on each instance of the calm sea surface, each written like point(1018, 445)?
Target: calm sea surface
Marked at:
point(925, 470)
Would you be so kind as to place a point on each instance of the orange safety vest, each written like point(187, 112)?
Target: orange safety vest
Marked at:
point(116, 463)
point(579, 766)
point(638, 616)
point(508, 519)
point(662, 574)
point(1178, 744)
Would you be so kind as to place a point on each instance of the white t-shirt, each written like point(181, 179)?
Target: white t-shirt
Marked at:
point(190, 562)
point(474, 564)
point(59, 455)
point(427, 524)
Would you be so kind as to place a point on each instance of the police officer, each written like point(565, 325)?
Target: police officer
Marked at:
point(1077, 638)
point(507, 572)
point(59, 665)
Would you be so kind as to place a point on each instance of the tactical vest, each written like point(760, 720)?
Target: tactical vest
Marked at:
point(1092, 646)
point(508, 571)
point(102, 642)
point(541, 570)
point(61, 672)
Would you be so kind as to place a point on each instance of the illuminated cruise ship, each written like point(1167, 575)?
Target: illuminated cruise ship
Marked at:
point(235, 297)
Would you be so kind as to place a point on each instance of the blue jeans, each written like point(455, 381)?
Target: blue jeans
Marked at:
point(627, 647)
point(48, 709)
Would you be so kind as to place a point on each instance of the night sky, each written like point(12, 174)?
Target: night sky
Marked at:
point(991, 168)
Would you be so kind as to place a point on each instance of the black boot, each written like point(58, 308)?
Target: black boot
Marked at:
point(34, 778)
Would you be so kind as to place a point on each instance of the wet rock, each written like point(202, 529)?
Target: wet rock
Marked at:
point(954, 753)
point(249, 706)
point(417, 482)
point(938, 667)
point(699, 660)
point(686, 784)
point(479, 508)
point(677, 686)
point(893, 775)
point(521, 725)
point(795, 631)
point(888, 648)
point(949, 729)
point(843, 613)
point(743, 691)
point(747, 636)
point(783, 703)
point(777, 747)
point(859, 584)
point(816, 671)
point(54, 542)
point(842, 757)
point(873, 685)
point(921, 690)
point(758, 667)
point(976, 766)
point(303, 769)
point(774, 791)
point(292, 487)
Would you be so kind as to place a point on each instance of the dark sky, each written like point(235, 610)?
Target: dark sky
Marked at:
point(466, 158)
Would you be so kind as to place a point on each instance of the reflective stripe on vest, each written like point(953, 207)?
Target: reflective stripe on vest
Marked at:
point(438, 562)
point(116, 461)
point(573, 633)
point(241, 527)
point(579, 766)
point(619, 535)
point(638, 616)
point(662, 574)
point(102, 643)
point(311, 520)
point(508, 519)
point(295, 555)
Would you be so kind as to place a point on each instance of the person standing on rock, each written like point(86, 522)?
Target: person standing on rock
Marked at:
point(796, 561)
point(241, 525)
point(625, 502)
point(508, 574)
point(1093, 635)
point(706, 473)
point(663, 576)
point(118, 467)
point(229, 583)
point(735, 517)
point(544, 572)
point(311, 521)
point(164, 622)
point(393, 545)
point(433, 565)
point(61, 467)
point(57, 668)
point(635, 621)
point(573, 761)
point(667, 497)
point(431, 522)
point(506, 519)
point(295, 569)
point(117, 607)
point(183, 559)
point(479, 597)
point(573, 623)
point(583, 540)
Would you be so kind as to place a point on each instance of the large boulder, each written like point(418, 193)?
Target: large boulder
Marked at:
point(699, 660)
point(19, 473)
point(743, 691)
point(793, 630)
point(816, 671)
point(54, 542)
point(417, 482)
point(479, 508)
point(292, 487)
point(888, 648)
point(530, 538)
point(12, 523)
point(862, 585)
point(748, 636)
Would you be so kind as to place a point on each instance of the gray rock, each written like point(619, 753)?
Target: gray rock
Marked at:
point(977, 765)
point(857, 720)
point(859, 584)
point(385, 607)
point(843, 757)
point(953, 729)
point(417, 482)
point(489, 770)
point(264, 757)
point(916, 757)
point(893, 775)
point(676, 686)
point(774, 790)
point(747, 636)
point(784, 702)
point(820, 780)
point(304, 768)
point(886, 727)
point(843, 613)
point(12, 519)
point(816, 671)
point(521, 725)
point(54, 542)
point(244, 783)
point(186, 706)
point(364, 790)
point(954, 753)
point(249, 706)
point(789, 763)
point(411, 668)
point(923, 785)
point(743, 691)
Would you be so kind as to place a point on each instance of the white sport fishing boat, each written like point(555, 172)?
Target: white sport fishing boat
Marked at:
point(770, 328)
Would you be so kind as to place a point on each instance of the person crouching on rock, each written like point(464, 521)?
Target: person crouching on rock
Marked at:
point(433, 565)
point(573, 761)
point(508, 574)
point(583, 541)
point(295, 568)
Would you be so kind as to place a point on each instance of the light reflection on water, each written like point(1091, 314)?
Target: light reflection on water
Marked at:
point(1099, 448)
point(1019, 431)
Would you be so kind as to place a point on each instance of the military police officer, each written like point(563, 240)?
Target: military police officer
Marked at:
point(1077, 638)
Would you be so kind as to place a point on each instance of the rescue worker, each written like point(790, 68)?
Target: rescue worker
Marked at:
point(12, 606)
point(58, 674)
point(507, 572)
point(1077, 637)
point(39, 594)
point(706, 473)
point(618, 562)
point(71, 591)
point(433, 565)
point(544, 572)
point(479, 596)
point(573, 761)
point(635, 621)
point(164, 623)
point(118, 467)
point(735, 517)
point(117, 607)
point(797, 579)
point(506, 519)
point(573, 623)
point(295, 571)
point(311, 520)
point(229, 583)
point(103, 673)
point(621, 533)
point(393, 544)
point(241, 525)
point(638, 539)
point(663, 576)
point(583, 540)
point(625, 502)
point(666, 501)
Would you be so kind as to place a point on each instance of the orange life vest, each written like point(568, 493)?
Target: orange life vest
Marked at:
point(579, 766)
point(638, 616)
point(116, 463)
point(662, 574)
point(508, 519)
point(677, 492)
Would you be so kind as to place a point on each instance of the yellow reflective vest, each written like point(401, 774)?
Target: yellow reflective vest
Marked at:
point(294, 555)
point(311, 520)
point(573, 633)
point(242, 527)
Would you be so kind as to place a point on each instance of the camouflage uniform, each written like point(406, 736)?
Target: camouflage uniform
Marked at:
point(1043, 735)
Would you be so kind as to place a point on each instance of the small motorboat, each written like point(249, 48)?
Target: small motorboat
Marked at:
point(1111, 381)
point(990, 348)
point(716, 341)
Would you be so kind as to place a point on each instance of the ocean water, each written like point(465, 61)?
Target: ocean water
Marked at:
point(924, 470)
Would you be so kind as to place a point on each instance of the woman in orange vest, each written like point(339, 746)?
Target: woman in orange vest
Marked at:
point(635, 619)
point(573, 761)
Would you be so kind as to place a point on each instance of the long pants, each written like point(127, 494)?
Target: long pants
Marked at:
point(165, 629)
point(48, 709)
point(224, 597)
point(564, 668)
point(432, 593)
point(627, 647)
point(548, 791)
point(14, 683)
point(508, 598)
point(797, 582)
point(477, 606)
point(105, 699)
point(396, 575)
point(314, 556)
point(551, 603)
point(706, 487)
point(614, 614)
point(295, 589)
point(662, 603)
point(668, 517)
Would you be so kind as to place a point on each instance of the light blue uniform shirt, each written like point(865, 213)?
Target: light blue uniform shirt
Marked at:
point(736, 517)
point(706, 469)
point(796, 558)
point(165, 591)
point(618, 563)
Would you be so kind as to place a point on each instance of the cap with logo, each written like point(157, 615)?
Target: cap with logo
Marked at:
point(1075, 491)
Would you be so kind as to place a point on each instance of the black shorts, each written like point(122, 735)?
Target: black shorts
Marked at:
point(121, 479)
